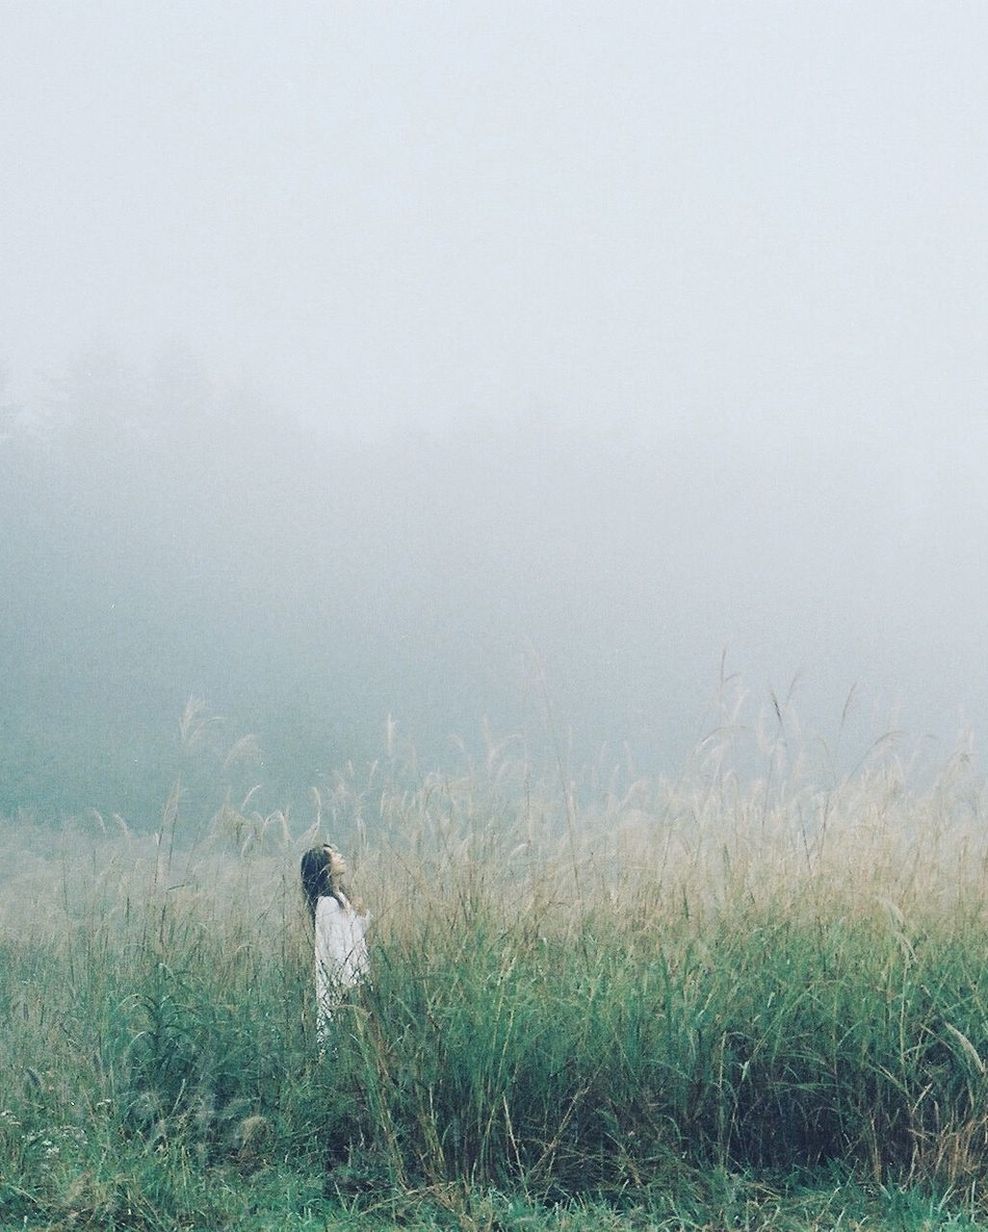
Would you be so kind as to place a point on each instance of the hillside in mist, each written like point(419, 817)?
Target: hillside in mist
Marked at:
point(167, 539)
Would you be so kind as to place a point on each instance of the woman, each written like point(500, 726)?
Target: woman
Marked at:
point(341, 946)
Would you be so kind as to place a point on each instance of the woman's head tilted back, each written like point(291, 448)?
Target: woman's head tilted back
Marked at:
point(323, 870)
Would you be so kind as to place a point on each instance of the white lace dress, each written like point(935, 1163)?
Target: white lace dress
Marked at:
point(341, 956)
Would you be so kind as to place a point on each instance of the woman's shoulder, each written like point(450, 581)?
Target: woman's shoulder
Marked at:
point(327, 905)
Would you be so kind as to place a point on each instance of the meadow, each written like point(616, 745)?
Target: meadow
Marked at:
point(720, 1001)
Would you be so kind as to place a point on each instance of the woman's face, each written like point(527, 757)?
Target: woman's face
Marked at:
point(337, 864)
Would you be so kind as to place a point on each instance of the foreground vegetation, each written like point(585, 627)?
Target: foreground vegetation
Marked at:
point(703, 1004)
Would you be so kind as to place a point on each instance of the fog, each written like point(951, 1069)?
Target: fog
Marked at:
point(544, 371)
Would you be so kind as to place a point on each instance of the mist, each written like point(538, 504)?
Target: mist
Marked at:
point(519, 373)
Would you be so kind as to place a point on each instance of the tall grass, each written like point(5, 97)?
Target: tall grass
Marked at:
point(765, 976)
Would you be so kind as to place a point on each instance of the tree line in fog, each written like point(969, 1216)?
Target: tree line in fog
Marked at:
point(166, 539)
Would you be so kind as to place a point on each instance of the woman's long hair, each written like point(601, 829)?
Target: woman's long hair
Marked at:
point(316, 880)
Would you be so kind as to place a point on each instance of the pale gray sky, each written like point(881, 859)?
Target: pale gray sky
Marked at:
point(424, 212)
point(679, 308)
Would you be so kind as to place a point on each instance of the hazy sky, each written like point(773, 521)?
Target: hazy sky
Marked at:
point(712, 277)
point(423, 212)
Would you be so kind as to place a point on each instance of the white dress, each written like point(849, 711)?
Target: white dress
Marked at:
point(341, 956)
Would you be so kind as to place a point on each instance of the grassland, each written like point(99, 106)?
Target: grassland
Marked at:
point(704, 1004)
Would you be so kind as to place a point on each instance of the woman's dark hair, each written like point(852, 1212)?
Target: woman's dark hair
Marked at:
point(316, 880)
point(315, 877)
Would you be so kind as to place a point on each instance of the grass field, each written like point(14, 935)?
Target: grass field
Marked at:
point(703, 1004)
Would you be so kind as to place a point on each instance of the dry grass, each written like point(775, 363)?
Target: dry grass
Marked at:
point(707, 973)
